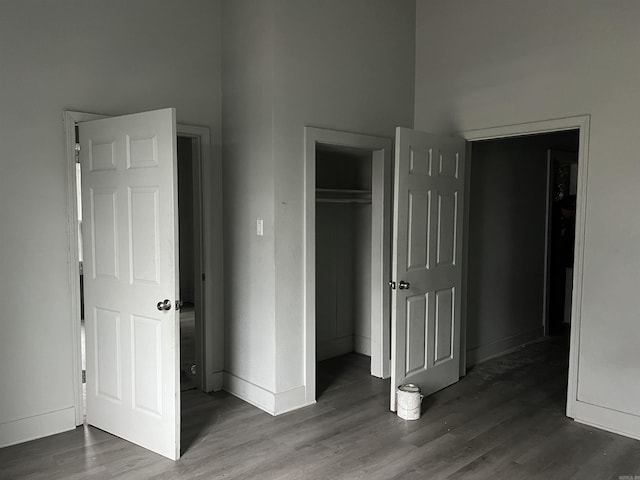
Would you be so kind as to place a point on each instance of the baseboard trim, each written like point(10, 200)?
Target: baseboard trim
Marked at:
point(272, 403)
point(249, 392)
point(215, 381)
point(500, 347)
point(362, 345)
point(291, 400)
point(38, 426)
point(607, 419)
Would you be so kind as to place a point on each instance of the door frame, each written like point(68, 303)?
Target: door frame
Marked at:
point(210, 242)
point(582, 124)
point(380, 148)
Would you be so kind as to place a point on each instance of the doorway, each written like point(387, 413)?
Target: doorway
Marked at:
point(343, 258)
point(190, 234)
point(429, 166)
point(202, 244)
point(520, 255)
point(580, 125)
point(347, 239)
point(190, 260)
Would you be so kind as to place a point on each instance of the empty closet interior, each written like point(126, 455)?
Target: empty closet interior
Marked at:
point(343, 251)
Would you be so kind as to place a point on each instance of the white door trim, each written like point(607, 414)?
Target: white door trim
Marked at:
point(581, 123)
point(211, 214)
point(380, 248)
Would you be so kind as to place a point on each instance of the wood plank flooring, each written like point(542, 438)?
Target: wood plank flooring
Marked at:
point(504, 420)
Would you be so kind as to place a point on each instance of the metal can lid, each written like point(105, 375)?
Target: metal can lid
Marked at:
point(409, 387)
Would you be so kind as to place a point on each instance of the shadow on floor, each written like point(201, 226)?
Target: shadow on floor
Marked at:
point(341, 371)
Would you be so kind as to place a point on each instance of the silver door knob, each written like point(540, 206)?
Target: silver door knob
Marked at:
point(402, 285)
point(164, 305)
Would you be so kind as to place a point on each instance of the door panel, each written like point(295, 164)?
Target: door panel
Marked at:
point(130, 205)
point(419, 224)
point(444, 325)
point(417, 308)
point(104, 231)
point(144, 234)
point(429, 188)
point(106, 341)
point(447, 207)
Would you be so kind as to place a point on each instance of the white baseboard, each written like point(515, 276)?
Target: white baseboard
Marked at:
point(607, 419)
point(272, 403)
point(291, 400)
point(214, 381)
point(485, 352)
point(25, 429)
point(362, 345)
point(249, 392)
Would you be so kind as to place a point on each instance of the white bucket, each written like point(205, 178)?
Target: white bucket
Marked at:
point(408, 401)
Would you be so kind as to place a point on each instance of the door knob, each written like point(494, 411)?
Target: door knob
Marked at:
point(164, 305)
point(402, 285)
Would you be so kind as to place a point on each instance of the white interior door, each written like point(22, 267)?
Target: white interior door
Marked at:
point(130, 228)
point(427, 261)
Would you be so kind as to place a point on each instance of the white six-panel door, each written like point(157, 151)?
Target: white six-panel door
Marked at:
point(427, 266)
point(129, 200)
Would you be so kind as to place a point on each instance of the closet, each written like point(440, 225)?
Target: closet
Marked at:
point(343, 251)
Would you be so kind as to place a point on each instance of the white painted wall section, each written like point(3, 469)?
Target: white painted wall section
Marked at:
point(248, 170)
point(512, 62)
point(104, 57)
point(341, 65)
point(286, 65)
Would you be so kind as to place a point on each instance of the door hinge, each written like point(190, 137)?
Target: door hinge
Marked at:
point(77, 152)
point(203, 277)
point(84, 376)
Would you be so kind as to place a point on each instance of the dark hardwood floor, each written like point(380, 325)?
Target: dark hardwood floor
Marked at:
point(504, 420)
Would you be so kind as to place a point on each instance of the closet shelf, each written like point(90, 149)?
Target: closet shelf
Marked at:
point(342, 195)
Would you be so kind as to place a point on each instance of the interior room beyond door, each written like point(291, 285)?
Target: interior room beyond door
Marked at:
point(520, 251)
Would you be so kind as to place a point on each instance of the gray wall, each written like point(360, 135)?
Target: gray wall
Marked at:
point(113, 58)
point(248, 173)
point(507, 62)
point(507, 237)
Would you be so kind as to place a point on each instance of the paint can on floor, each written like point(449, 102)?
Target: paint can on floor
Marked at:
point(408, 401)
